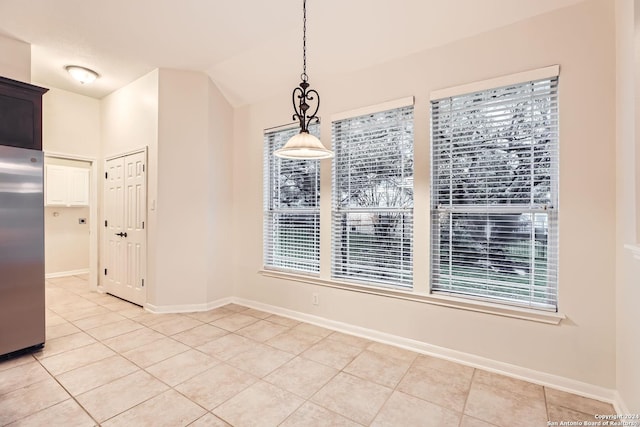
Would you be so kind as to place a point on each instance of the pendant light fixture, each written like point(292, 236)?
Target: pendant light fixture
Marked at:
point(304, 146)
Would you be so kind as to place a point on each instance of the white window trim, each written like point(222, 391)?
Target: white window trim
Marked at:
point(525, 76)
point(550, 318)
point(372, 109)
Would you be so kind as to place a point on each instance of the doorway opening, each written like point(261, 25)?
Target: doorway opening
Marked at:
point(70, 217)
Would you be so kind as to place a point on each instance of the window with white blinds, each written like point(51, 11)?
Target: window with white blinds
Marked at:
point(372, 216)
point(494, 194)
point(291, 229)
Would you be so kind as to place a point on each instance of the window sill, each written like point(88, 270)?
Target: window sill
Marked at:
point(635, 250)
point(441, 300)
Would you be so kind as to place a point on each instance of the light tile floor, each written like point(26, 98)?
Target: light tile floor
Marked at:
point(108, 362)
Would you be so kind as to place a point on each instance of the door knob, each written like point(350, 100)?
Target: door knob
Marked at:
point(121, 234)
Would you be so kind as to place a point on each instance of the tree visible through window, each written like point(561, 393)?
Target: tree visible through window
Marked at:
point(494, 194)
point(291, 207)
point(372, 216)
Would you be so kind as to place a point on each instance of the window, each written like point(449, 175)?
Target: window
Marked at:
point(494, 194)
point(291, 207)
point(372, 217)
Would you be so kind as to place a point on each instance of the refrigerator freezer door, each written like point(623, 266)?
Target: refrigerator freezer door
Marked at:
point(22, 318)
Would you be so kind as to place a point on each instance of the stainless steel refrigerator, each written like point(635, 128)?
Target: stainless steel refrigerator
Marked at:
point(22, 310)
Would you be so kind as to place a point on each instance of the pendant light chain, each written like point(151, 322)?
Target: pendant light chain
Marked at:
point(304, 40)
point(306, 103)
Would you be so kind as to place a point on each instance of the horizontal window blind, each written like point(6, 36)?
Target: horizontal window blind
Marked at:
point(494, 194)
point(372, 216)
point(291, 207)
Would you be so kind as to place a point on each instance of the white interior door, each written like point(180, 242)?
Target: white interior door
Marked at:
point(114, 225)
point(125, 216)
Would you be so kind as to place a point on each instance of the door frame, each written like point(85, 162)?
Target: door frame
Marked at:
point(94, 235)
point(103, 236)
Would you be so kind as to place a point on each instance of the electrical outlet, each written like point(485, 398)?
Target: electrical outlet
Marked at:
point(315, 299)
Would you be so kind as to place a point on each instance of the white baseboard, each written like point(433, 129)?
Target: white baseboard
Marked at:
point(620, 405)
point(538, 377)
point(66, 273)
point(187, 308)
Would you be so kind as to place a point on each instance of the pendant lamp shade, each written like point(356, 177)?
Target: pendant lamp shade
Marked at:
point(304, 146)
point(306, 103)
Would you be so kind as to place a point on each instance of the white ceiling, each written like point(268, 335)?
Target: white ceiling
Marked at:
point(251, 49)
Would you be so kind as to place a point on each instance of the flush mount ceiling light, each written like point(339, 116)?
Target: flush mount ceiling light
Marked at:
point(304, 146)
point(82, 74)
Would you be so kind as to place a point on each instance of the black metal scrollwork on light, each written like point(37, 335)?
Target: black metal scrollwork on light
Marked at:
point(301, 97)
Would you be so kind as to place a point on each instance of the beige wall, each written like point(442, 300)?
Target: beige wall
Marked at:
point(130, 117)
point(220, 201)
point(15, 59)
point(582, 348)
point(194, 195)
point(182, 207)
point(70, 123)
point(627, 143)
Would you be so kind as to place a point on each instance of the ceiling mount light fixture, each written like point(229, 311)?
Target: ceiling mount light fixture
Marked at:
point(82, 74)
point(304, 146)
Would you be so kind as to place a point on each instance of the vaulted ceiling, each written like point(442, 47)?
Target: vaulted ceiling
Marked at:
point(250, 49)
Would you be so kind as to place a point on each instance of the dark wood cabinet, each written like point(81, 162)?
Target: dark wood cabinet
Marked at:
point(21, 114)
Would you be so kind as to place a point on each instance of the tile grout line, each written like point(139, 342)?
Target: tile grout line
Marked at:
point(42, 409)
point(393, 390)
point(546, 403)
point(373, 382)
point(466, 399)
point(413, 362)
point(308, 400)
point(321, 387)
point(429, 401)
point(230, 397)
point(61, 352)
point(68, 393)
point(137, 404)
point(338, 372)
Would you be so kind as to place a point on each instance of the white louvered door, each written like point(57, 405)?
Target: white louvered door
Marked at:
point(125, 216)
